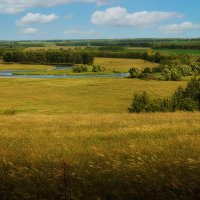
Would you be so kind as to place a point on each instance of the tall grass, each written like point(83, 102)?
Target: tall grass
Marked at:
point(92, 95)
point(100, 156)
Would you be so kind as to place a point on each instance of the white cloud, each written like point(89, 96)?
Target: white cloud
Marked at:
point(78, 32)
point(16, 6)
point(118, 16)
point(178, 28)
point(30, 31)
point(36, 18)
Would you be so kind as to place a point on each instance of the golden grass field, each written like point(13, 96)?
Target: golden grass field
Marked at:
point(89, 95)
point(123, 64)
point(24, 67)
point(100, 156)
point(74, 139)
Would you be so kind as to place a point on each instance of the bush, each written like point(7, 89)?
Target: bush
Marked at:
point(167, 74)
point(196, 69)
point(193, 90)
point(189, 104)
point(185, 70)
point(140, 102)
point(80, 68)
point(175, 74)
point(147, 70)
point(134, 72)
point(98, 68)
point(147, 76)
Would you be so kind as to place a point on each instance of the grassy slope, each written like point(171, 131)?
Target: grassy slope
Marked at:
point(107, 156)
point(92, 95)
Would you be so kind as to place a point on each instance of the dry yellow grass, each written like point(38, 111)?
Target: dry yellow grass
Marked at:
point(123, 64)
point(106, 156)
point(24, 67)
point(77, 95)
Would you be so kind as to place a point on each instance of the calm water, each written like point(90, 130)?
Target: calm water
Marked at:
point(9, 74)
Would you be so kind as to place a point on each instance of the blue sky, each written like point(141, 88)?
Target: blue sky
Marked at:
point(82, 19)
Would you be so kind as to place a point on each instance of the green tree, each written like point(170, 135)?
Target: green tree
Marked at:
point(167, 74)
point(134, 72)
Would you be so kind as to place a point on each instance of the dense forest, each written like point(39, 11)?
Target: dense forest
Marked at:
point(48, 57)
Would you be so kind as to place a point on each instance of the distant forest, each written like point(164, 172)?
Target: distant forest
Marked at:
point(192, 44)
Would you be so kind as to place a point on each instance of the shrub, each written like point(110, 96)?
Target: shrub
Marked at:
point(80, 68)
point(193, 90)
point(188, 104)
point(167, 74)
point(147, 76)
point(140, 102)
point(175, 74)
point(196, 69)
point(134, 72)
point(147, 70)
point(98, 68)
point(185, 70)
point(159, 68)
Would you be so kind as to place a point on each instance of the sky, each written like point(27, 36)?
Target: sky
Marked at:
point(98, 19)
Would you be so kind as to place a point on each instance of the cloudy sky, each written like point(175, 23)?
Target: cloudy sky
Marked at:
point(82, 19)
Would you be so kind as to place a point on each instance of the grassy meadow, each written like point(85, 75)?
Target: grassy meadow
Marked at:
point(73, 139)
point(100, 156)
point(77, 95)
point(24, 67)
point(123, 64)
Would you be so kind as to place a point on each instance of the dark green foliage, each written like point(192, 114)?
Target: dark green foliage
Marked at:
point(80, 68)
point(175, 74)
point(185, 70)
point(188, 104)
point(87, 58)
point(167, 74)
point(140, 103)
point(147, 76)
point(98, 68)
point(183, 99)
point(49, 57)
point(134, 72)
point(193, 90)
point(147, 70)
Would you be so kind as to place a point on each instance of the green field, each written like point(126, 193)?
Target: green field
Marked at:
point(92, 95)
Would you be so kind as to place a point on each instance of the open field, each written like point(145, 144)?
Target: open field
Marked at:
point(123, 64)
point(100, 156)
point(90, 95)
point(24, 67)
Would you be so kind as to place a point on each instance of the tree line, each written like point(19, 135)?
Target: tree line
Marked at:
point(48, 57)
